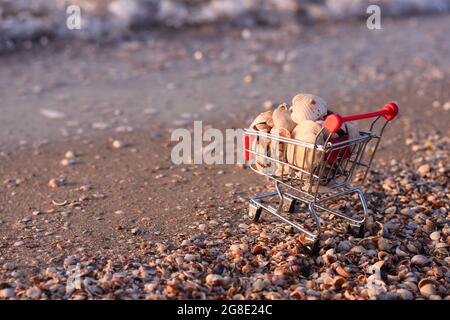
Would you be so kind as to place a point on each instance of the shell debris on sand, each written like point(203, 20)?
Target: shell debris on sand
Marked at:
point(404, 254)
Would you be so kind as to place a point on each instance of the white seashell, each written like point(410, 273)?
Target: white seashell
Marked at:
point(117, 144)
point(52, 114)
point(420, 260)
point(427, 287)
point(215, 280)
point(262, 118)
point(308, 107)
point(299, 156)
point(33, 293)
point(262, 149)
point(7, 293)
point(69, 154)
point(435, 236)
point(278, 151)
point(282, 118)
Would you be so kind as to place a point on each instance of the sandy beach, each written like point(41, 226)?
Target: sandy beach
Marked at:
point(135, 226)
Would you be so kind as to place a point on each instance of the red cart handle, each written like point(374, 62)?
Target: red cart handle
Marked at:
point(334, 121)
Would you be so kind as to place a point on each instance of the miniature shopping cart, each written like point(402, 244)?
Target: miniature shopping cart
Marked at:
point(336, 167)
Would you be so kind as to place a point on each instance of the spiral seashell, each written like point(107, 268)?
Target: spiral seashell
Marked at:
point(278, 150)
point(261, 148)
point(308, 107)
point(282, 118)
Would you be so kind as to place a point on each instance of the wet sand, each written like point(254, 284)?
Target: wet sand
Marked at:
point(115, 202)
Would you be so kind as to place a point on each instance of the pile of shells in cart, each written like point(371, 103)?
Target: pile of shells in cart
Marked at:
point(312, 155)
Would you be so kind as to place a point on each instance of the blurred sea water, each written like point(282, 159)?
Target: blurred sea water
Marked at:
point(31, 19)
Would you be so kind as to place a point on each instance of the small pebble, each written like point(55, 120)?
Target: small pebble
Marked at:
point(34, 293)
point(69, 154)
point(424, 169)
point(117, 144)
point(7, 293)
point(391, 210)
point(18, 243)
point(67, 162)
point(55, 183)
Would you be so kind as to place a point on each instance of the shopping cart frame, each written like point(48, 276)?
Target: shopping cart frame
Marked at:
point(312, 187)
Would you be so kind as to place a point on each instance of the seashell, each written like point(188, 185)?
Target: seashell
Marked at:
point(435, 236)
point(59, 204)
point(257, 249)
point(278, 151)
point(117, 144)
point(383, 255)
point(420, 260)
point(300, 156)
point(383, 244)
point(405, 294)
point(342, 272)
point(69, 154)
point(263, 127)
point(234, 248)
point(441, 245)
point(91, 286)
point(361, 278)
point(7, 293)
point(376, 269)
point(339, 281)
point(427, 287)
point(282, 132)
point(247, 268)
point(33, 293)
point(282, 118)
point(308, 107)
point(262, 118)
point(305, 127)
point(215, 280)
point(258, 285)
point(344, 246)
point(261, 148)
point(358, 250)
point(55, 183)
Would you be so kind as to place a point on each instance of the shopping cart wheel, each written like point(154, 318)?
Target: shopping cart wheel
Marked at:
point(314, 249)
point(254, 212)
point(290, 204)
point(357, 231)
point(362, 230)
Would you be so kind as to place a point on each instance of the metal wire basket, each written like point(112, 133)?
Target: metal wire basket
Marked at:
point(326, 170)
